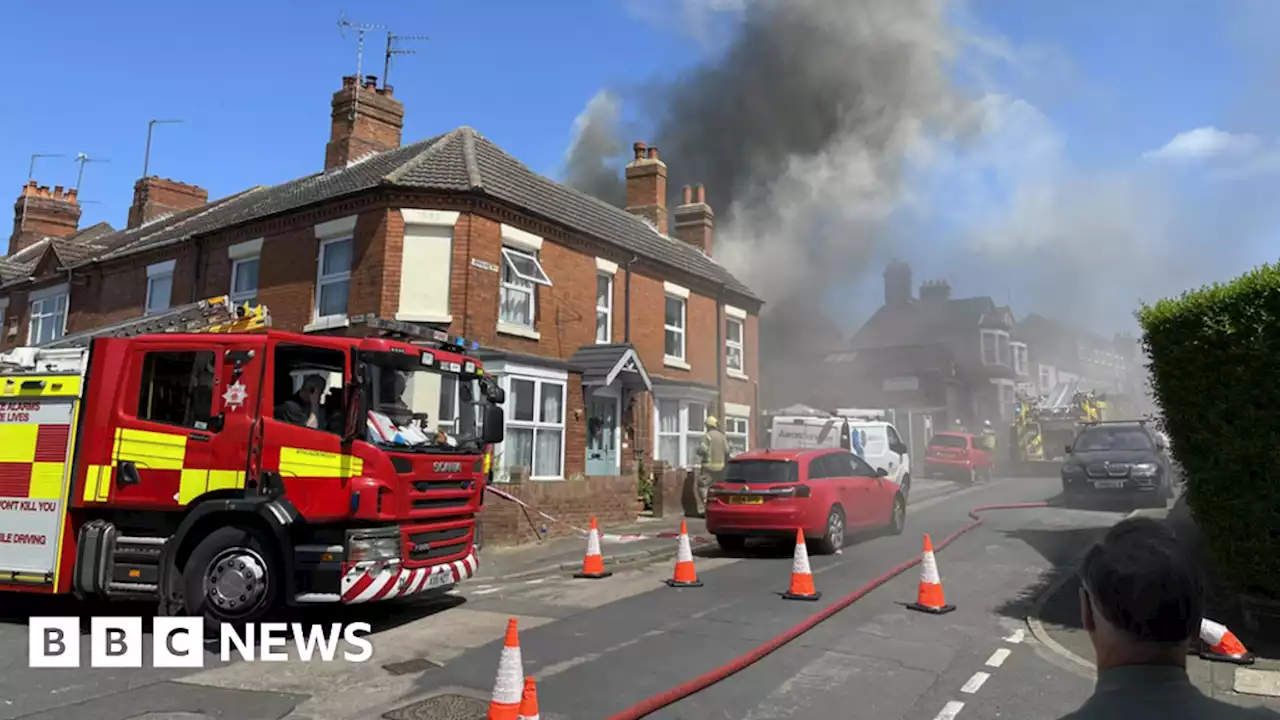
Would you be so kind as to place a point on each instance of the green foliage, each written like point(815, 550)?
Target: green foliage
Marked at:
point(1215, 372)
point(644, 484)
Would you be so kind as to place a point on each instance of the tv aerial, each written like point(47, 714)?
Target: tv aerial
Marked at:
point(360, 29)
point(393, 49)
point(83, 159)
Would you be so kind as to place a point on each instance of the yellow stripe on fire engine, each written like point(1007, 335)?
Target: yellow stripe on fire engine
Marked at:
point(41, 386)
point(46, 481)
point(97, 483)
point(18, 443)
point(297, 462)
point(195, 483)
point(150, 450)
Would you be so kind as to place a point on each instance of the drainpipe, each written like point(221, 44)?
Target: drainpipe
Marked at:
point(720, 352)
point(626, 302)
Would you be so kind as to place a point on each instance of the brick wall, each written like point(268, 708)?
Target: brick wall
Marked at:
point(612, 500)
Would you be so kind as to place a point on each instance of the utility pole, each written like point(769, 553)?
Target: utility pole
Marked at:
point(83, 159)
point(393, 50)
point(151, 126)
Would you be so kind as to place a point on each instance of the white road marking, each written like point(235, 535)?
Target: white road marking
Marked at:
point(485, 591)
point(788, 700)
point(950, 711)
point(975, 683)
point(1016, 637)
point(998, 657)
point(537, 581)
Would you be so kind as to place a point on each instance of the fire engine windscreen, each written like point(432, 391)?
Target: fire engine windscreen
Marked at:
point(416, 406)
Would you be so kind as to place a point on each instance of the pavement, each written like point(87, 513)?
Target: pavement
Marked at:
point(598, 647)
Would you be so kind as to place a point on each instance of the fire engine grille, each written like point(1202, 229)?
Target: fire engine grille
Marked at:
point(437, 543)
point(1108, 469)
point(439, 503)
point(428, 485)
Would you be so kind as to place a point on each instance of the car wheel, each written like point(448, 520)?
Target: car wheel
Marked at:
point(971, 477)
point(232, 576)
point(906, 485)
point(898, 515)
point(833, 540)
point(731, 543)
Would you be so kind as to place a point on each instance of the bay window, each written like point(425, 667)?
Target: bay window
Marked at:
point(1019, 351)
point(678, 432)
point(535, 426)
point(995, 347)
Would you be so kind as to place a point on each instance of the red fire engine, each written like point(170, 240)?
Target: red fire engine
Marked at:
point(199, 458)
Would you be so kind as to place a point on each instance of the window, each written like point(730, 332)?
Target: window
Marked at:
point(604, 308)
point(1019, 357)
point(1005, 398)
point(736, 431)
point(177, 388)
point(244, 281)
point(680, 424)
point(521, 271)
point(48, 318)
point(733, 358)
point(673, 324)
point(294, 364)
point(535, 427)
point(995, 347)
point(159, 287)
point(333, 279)
point(1046, 378)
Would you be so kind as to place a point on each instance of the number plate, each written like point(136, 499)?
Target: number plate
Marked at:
point(746, 500)
point(1104, 484)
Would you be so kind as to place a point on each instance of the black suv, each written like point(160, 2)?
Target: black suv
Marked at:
point(1115, 460)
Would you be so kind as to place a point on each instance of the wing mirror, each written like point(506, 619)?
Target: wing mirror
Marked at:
point(495, 423)
point(1068, 449)
point(351, 403)
point(881, 472)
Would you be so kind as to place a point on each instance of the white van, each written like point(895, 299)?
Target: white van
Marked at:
point(882, 445)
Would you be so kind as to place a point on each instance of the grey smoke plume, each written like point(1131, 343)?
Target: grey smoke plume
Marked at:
point(591, 161)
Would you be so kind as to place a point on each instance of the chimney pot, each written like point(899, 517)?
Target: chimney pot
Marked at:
point(695, 223)
point(653, 153)
point(371, 81)
point(702, 194)
point(647, 187)
point(387, 90)
point(688, 195)
point(639, 149)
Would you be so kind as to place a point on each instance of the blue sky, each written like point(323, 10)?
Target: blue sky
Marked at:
point(252, 81)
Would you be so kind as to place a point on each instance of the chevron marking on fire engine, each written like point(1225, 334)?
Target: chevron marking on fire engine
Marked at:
point(368, 584)
point(299, 462)
point(33, 460)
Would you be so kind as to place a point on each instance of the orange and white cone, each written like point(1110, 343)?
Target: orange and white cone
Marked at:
point(1219, 643)
point(593, 563)
point(529, 701)
point(505, 703)
point(801, 576)
point(930, 597)
point(685, 575)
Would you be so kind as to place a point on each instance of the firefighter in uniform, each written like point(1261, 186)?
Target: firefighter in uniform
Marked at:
point(713, 451)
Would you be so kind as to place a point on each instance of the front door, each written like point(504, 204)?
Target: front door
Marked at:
point(602, 435)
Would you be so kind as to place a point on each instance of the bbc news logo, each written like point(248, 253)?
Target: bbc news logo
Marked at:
point(179, 642)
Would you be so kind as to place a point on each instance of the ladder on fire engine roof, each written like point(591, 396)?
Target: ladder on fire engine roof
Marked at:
point(212, 315)
point(411, 333)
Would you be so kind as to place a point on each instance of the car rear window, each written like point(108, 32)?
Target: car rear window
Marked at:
point(761, 471)
point(1114, 438)
point(953, 441)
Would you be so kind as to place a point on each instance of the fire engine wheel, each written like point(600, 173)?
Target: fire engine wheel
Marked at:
point(231, 577)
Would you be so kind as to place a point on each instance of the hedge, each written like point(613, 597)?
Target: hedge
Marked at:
point(1215, 371)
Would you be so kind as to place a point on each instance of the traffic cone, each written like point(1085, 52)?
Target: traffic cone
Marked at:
point(930, 598)
point(529, 701)
point(505, 704)
point(1219, 643)
point(685, 575)
point(593, 563)
point(801, 576)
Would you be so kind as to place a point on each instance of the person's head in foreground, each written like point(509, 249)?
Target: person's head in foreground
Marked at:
point(1141, 598)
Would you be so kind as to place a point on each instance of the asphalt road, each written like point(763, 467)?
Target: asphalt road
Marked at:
point(598, 647)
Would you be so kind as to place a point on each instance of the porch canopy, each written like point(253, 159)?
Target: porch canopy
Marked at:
point(604, 365)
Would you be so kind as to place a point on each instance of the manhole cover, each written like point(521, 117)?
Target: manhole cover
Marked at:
point(409, 667)
point(442, 707)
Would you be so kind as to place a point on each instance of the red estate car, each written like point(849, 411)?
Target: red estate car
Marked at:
point(958, 456)
point(824, 492)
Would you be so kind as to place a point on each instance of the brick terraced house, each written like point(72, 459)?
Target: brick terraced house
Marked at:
point(612, 338)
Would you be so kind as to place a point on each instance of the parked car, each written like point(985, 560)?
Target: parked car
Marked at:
point(1118, 460)
point(958, 456)
point(882, 445)
point(825, 492)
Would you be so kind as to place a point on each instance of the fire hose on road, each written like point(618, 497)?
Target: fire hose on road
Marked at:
point(702, 682)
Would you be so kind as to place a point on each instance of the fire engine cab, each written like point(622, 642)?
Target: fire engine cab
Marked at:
point(201, 459)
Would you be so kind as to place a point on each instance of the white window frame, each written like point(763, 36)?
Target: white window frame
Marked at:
point(685, 396)
point(982, 347)
point(672, 291)
point(740, 345)
point(735, 414)
point(42, 296)
point(509, 252)
point(606, 309)
point(155, 273)
point(240, 254)
point(329, 233)
point(1006, 395)
point(1049, 372)
point(539, 377)
point(1018, 354)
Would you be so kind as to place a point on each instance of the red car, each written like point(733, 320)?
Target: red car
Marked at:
point(824, 492)
point(958, 456)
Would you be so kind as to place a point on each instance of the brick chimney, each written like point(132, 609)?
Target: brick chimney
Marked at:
point(897, 283)
point(40, 212)
point(647, 186)
point(154, 196)
point(366, 119)
point(935, 291)
point(695, 223)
